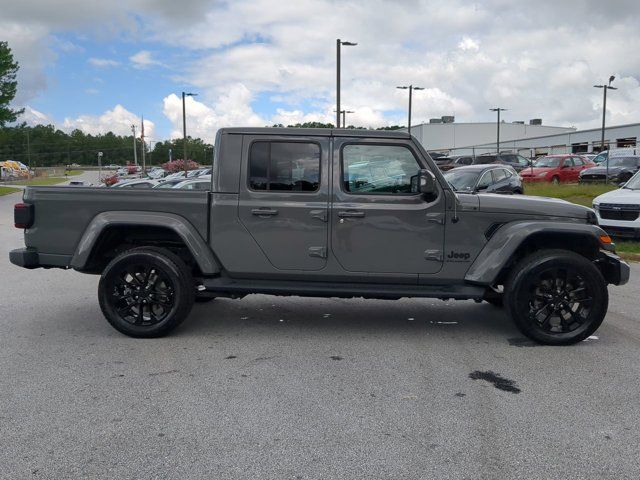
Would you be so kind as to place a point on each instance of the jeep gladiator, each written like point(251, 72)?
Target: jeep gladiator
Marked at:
point(329, 213)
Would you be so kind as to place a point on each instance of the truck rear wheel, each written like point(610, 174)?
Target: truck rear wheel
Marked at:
point(556, 297)
point(146, 292)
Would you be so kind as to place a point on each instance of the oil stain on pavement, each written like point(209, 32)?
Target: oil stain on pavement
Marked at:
point(499, 382)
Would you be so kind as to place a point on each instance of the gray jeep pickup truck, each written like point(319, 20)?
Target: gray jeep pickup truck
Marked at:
point(330, 213)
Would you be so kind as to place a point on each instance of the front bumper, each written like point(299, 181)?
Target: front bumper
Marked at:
point(25, 257)
point(534, 179)
point(615, 270)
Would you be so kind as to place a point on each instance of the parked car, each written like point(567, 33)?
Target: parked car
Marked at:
point(620, 169)
point(518, 162)
point(199, 172)
point(485, 178)
point(201, 183)
point(447, 163)
point(157, 173)
point(556, 169)
point(278, 219)
point(142, 183)
point(169, 183)
point(618, 211)
point(172, 176)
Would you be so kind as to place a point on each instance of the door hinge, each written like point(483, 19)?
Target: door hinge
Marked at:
point(320, 252)
point(433, 255)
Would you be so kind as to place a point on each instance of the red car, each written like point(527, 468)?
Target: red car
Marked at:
point(556, 168)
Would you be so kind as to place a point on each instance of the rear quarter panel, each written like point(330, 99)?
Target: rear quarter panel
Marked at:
point(62, 214)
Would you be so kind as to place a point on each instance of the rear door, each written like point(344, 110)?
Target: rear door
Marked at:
point(501, 181)
point(283, 199)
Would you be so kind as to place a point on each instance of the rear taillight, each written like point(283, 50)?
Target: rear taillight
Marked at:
point(23, 215)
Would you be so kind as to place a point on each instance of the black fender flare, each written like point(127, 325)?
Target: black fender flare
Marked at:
point(505, 241)
point(186, 231)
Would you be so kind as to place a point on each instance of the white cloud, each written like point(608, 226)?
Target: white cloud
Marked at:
point(33, 117)
point(143, 59)
point(204, 121)
point(103, 62)
point(468, 43)
point(117, 120)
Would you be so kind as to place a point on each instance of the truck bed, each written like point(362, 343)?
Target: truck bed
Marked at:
point(62, 214)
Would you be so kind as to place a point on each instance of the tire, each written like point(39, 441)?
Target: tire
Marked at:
point(544, 289)
point(555, 180)
point(518, 192)
point(146, 292)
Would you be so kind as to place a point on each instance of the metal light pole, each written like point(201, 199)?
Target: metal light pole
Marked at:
point(339, 43)
point(498, 109)
point(135, 150)
point(99, 167)
point(344, 117)
point(184, 130)
point(604, 114)
point(144, 145)
point(411, 88)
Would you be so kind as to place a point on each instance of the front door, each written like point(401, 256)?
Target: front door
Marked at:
point(378, 225)
point(283, 199)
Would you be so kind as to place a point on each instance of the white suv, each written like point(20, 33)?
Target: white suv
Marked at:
point(618, 211)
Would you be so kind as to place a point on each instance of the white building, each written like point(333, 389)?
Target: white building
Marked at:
point(575, 141)
point(458, 136)
point(528, 140)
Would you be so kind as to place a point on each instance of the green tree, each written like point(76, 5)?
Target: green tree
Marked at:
point(8, 84)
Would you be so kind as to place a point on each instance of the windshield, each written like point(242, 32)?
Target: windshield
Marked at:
point(634, 183)
point(630, 162)
point(549, 162)
point(462, 180)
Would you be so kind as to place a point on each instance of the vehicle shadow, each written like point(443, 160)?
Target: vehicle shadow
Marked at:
point(267, 315)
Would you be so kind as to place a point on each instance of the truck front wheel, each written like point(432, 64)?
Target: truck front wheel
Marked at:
point(146, 292)
point(556, 297)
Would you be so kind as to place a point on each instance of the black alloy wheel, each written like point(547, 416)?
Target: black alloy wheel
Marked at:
point(559, 300)
point(556, 297)
point(146, 292)
point(142, 294)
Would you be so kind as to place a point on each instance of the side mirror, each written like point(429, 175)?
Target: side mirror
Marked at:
point(425, 183)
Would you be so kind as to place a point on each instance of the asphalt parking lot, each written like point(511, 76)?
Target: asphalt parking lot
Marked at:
point(294, 388)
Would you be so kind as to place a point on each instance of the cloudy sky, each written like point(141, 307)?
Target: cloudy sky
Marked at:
point(100, 65)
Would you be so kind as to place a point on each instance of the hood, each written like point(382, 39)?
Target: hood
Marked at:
point(538, 206)
point(621, 195)
point(536, 170)
point(602, 170)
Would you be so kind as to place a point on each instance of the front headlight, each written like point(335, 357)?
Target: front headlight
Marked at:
point(543, 174)
point(596, 206)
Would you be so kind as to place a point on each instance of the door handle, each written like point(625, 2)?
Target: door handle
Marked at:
point(351, 214)
point(264, 212)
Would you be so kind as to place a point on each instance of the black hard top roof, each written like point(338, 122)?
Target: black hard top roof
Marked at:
point(318, 132)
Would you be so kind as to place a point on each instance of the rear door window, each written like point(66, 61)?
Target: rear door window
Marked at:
point(284, 166)
point(499, 174)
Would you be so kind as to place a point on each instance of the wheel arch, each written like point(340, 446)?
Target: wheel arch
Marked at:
point(513, 241)
point(109, 229)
